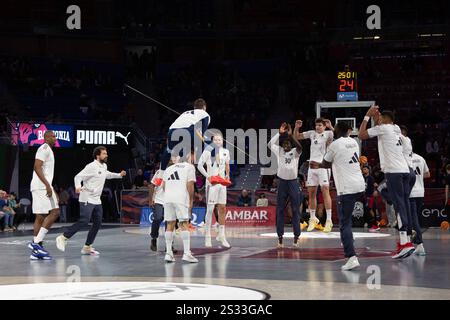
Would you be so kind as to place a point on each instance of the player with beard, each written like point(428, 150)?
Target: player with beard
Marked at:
point(93, 177)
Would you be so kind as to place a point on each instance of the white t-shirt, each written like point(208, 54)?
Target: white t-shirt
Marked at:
point(390, 148)
point(287, 161)
point(175, 180)
point(93, 177)
point(45, 154)
point(318, 143)
point(343, 153)
point(215, 166)
point(407, 150)
point(189, 118)
point(158, 191)
point(420, 168)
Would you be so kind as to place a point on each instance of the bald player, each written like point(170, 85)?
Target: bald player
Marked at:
point(45, 202)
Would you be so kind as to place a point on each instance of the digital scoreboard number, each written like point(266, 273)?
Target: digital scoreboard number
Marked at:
point(347, 87)
point(347, 81)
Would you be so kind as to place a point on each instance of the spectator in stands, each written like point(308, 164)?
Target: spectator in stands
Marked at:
point(262, 201)
point(139, 179)
point(370, 207)
point(8, 214)
point(447, 191)
point(274, 186)
point(64, 198)
point(19, 216)
point(432, 146)
point(244, 199)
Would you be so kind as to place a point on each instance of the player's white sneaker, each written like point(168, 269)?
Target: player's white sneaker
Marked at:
point(328, 226)
point(280, 243)
point(296, 243)
point(89, 251)
point(351, 264)
point(224, 241)
point(61, 243)
point(420, 250)
point(189, 258)
point(169, 257)
point(312, 224)
point(208, 243)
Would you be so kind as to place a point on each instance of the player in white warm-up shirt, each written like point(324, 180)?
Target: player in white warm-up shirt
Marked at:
point(156, 196)
point(189, 125)
point(288, 187)
point(178, 185)
point(217, 161)
point(93, 177)
point(320, 139)
point(343, 156)
point(45, 202)
point(421, 171)
point(395, 168)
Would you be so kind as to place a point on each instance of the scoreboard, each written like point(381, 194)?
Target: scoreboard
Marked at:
point(347, 86)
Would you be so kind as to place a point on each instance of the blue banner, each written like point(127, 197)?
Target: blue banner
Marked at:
point(347, 96)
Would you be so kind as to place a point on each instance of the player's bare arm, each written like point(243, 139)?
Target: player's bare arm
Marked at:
point(40, 173)
point(294, 138)
point(191, 191)
point(299, 135)
point(363, 133)
point(151, 194)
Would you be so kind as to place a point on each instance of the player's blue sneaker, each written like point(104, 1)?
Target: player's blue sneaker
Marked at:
point(40, 249)
point(35, 255)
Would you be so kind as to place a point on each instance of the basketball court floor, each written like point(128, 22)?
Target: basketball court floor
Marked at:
point(251, 269)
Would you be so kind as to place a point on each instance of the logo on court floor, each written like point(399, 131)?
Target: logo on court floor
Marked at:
point(127, 291)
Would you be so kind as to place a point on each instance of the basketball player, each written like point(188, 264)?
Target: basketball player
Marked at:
point(217, 160)
point(93, 177)
point(45, 202)
point(395, 169)
point(319, 141)
point(343, 156)
point(288, 185)
point(156, 195)
point(178, 186)
point(195, 122)
point(416, 199)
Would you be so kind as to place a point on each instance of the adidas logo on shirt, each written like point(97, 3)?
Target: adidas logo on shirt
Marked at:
point(355, 158)
point(174, 176)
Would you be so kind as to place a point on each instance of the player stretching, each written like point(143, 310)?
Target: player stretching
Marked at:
point(343, 156)
point(93, 177)
point(319, 141)
point(178, 186)
point(287, 172)
point(45, 201)
point(193, 122)
point(416, 199)
point(396, 170)
point(217, 160)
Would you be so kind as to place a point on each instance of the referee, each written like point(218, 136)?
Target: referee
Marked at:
point(287, 172)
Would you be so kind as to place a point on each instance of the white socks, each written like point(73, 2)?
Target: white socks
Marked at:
point(41, 235)
point(403, 237)
point(208, 219)
point(169, 241)
point(186, 236)
point(328, 214)
point(222, 231)
point(312, 213)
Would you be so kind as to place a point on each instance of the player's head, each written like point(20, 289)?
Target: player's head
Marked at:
point(200, 104)
point(50, 138)
point(341, 129)
point(189, 157)
point(447, 168)
point(404, 130)
point(218, 139)
point(100, 154)
point(320, 125)
point(387, 117)
point(286, 145)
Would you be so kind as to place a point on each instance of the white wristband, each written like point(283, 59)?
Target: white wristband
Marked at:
point(366, 118)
